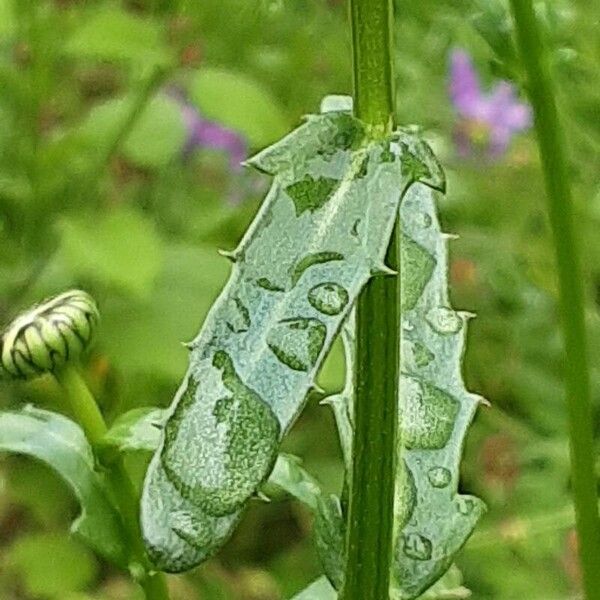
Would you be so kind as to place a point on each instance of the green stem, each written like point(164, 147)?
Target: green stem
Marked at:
point(371, 22)
point(571, 300)
point(371, 506)
point(86, 411)
point(82, 403)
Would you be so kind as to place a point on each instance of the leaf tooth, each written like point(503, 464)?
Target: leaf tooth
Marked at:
point(382, 269)
point(466, 315)
point(480, 400)
point(260, 495)
point(450, 237)
point(315, 388)
point(231, 255)
point(331, 399)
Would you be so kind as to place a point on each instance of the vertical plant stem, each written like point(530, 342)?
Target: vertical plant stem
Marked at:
point(371, 507)
point(86, 411)
point(371, 22)
point(571, 300)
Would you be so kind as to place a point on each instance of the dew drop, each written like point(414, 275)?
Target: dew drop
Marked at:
point(423, 220)
point(444, 320)
point(313, 259)
point(417, 268)
point(297, 342)
point(439, 477)
point(216, 454)
point(417, 546)
point(428, 414)
point(328, 298)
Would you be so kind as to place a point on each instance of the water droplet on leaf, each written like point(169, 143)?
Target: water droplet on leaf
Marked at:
point(313, 259)
point(216, 458)
point(439, 477)
point(424, 220)
point(444, 320)
point(297, 343)
point(417, 268)
point(328, 298)
point(428, 414)
point(417, 546)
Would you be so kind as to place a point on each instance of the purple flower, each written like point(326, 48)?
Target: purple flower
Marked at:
point(487, 120)
point(203, 133)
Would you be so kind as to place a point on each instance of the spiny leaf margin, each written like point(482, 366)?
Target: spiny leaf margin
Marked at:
point(266, 337)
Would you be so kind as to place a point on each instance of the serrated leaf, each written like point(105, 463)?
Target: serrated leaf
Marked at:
point(436, 409)
point(297, 272)
point(135, 430)
point(113, 34)
point(241, 103)
point(121, 250)
point(61, 444)
point(432, 519)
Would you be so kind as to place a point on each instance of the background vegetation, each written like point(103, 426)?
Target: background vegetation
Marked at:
point(99, 189)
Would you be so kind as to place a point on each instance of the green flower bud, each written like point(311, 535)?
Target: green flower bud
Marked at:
point(48, 335)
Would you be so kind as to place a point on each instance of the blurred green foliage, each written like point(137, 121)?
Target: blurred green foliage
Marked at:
point(95, 193)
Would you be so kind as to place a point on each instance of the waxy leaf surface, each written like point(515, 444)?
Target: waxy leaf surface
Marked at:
point(321, 233)
point(432, 520)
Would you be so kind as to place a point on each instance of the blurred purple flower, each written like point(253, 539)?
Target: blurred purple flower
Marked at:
point(485, 119)
point(203, 133)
